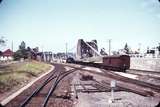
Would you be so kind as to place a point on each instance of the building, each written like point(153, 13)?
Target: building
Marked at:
point(7, 55)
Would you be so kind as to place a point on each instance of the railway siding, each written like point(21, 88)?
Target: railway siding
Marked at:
point(28, 86)
point(110, 74)
point(67, 91)
point(124, 92)
point(58, 96)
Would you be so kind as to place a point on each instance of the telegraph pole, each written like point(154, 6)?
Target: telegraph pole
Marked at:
point(109, 47)
point(12, 45)
point(139, 48)
point(66, 50)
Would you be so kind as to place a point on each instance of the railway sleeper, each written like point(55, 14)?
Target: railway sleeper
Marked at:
point(133, 89)
point(133, 81)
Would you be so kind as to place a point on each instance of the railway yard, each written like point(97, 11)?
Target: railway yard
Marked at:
point(72, 85)
point(79, 53)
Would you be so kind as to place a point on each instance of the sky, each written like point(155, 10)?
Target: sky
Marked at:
point(50, 24)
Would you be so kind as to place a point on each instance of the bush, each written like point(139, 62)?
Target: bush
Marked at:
point(20, 54)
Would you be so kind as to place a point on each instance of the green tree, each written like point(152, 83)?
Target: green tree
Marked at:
point(2, 41)
point(158, 47)
point(22, 52)
point(22, 46)
point(126, 48)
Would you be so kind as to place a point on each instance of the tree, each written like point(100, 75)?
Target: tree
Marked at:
point(158, 47)
point(22, 52)
point(126, 48)
point(2, 41)
point(36, 49)
point(1, 53)
point(22, 46)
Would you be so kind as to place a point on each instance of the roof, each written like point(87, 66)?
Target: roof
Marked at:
point(8, 52)
point(116, 56)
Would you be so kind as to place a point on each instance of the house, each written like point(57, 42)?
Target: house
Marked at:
point(7, 55)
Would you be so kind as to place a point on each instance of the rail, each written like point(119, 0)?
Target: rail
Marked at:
point(57, 77)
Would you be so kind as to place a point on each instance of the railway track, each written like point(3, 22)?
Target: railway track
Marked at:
point(141, 84)
point(57, 78)
point(152, 74)
point(133, 81)
point(44, 94)
point(143, 71)
point(44, 91)
point(104, 86)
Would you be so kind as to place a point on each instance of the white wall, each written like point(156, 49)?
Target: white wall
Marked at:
point(6, 58)
point(152, 64)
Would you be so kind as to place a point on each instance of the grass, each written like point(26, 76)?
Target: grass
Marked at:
point(14, 75)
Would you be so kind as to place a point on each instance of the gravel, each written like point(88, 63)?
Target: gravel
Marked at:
point(122, 99)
